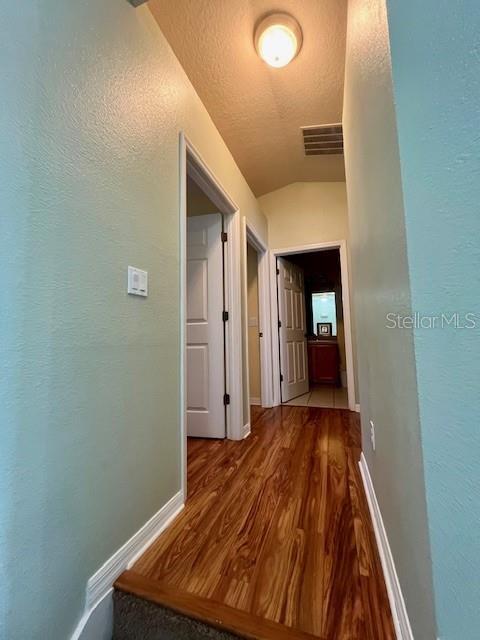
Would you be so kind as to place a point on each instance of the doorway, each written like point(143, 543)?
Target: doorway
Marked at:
point(312, 347)
point(254, 335)
point(206, 316)
point(257, 321)
point(211, 357)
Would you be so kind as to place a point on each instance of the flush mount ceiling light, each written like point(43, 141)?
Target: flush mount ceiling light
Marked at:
point(278, 39)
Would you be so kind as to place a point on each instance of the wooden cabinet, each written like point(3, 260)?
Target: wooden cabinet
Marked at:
point(323, 362)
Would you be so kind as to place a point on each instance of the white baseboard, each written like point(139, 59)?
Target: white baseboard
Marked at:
point(97, 622)
point(246, 430)
point(255, 401)
point(102, 580)
point(357, 408)
point(401, 622)
point(99, 586)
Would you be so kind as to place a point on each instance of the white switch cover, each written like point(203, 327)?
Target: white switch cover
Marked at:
point(137, 282)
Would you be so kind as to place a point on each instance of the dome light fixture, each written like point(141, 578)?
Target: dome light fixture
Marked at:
point(278, 39)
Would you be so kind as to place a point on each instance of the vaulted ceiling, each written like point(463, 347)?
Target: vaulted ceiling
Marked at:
point(257, 109)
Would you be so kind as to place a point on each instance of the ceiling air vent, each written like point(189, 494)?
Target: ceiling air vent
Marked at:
point(323, 140)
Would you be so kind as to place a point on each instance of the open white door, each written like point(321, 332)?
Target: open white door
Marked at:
point(205, 335)
point(292, 330)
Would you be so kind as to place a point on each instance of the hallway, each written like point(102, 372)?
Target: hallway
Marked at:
point(277, 526)
point(324, 396)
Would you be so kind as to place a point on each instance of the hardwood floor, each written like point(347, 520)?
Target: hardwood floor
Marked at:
point(277, 526)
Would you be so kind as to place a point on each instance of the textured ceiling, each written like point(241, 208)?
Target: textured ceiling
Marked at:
point(257, 109)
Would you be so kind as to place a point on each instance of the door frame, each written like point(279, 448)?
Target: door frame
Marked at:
point(341, 245)
point(250, 235)
point(192, 164)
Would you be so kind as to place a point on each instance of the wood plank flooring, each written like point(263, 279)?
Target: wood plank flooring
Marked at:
point(277, 526)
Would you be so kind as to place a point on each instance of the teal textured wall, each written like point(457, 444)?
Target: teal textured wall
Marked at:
point(436, 72)
point(92, 103)
point(381, 285)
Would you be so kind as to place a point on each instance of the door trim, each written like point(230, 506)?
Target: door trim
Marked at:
point(251, 236)
point(192, 164)
point(309, 248)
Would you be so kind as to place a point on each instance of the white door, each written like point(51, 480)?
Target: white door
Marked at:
point(205, 335)
point(292, 330)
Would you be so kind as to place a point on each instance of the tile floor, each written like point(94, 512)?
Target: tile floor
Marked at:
point(327, 396)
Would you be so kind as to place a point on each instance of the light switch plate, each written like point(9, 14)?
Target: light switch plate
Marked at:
point(137, 282)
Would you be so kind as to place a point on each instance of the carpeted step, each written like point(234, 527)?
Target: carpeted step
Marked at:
point(146, 609)
point(139, 619)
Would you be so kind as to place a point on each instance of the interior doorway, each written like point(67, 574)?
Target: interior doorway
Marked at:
point(257, 321)
point(254, 335)
point(206, 316)
point(311, 318)
point(211, 390)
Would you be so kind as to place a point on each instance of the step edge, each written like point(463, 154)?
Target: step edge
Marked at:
point(221, 616)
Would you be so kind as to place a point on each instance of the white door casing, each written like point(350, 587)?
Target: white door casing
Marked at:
point(205, 334)
point(292, 330)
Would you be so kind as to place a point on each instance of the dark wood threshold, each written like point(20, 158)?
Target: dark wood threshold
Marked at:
point(215, 614)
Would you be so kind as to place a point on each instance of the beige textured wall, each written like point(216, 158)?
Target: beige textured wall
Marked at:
point(306, 213)
point(198, 203)
point(252, 307)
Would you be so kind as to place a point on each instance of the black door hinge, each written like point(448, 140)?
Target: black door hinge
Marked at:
point(226, 399)
point(281, 377)
point(279, 324)
point(278, 271)
point(225, 316)
point(224, 236)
